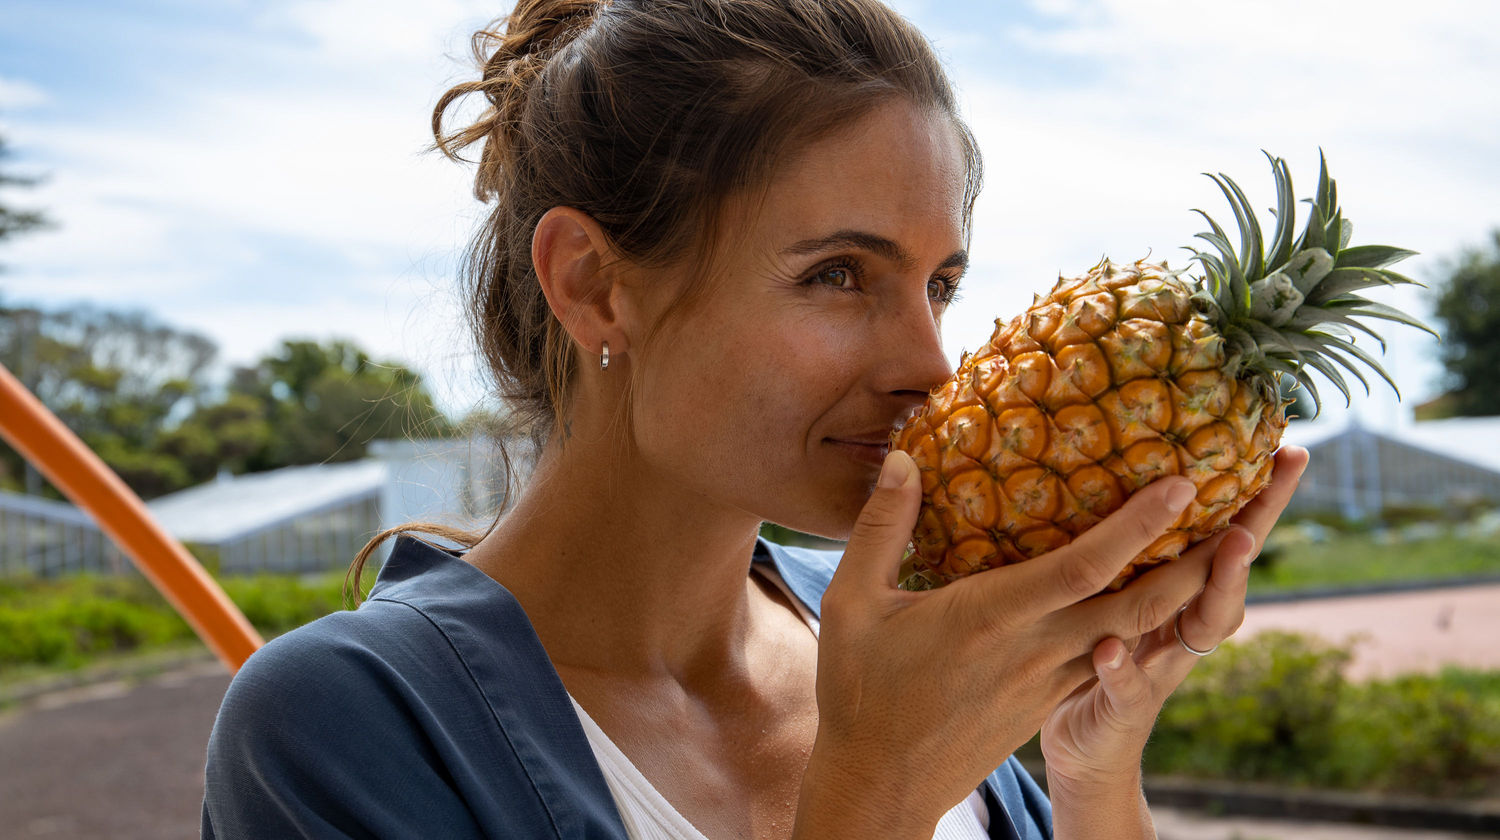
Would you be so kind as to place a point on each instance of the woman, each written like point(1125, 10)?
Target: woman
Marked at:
point(723, 236)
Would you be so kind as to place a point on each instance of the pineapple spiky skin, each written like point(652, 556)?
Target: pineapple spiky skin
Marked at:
point(1111, 381)
point(1130, 373)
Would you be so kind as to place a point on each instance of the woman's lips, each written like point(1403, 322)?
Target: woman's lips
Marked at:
point(868, 449)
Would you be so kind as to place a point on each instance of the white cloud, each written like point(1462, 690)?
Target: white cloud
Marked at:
point(1093, 148)
point(17, 94)
point(1400, 97)
point(101, 225)
point(366, 34)
point(180, 209)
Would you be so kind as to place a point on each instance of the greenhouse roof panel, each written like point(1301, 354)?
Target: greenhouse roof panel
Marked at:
point(234, 506)
point(1472, 440)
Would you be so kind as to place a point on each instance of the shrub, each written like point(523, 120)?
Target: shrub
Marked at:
point(56, 627)
point(1254, 711)
point(276, 604)
point(1432, 734)
point(68, 621)
point(1277, 708)
point(25, 640)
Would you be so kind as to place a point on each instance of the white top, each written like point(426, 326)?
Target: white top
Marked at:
point(647, 814)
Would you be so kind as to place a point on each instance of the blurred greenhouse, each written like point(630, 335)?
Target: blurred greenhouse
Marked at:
point(1362, 474)
point(316, 517)
point(296, 519)
point(44, 537)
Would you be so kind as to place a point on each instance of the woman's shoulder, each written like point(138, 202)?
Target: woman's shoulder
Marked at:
point(314, 697)
point(428, 613)
point(421, 706)
point(349, 649)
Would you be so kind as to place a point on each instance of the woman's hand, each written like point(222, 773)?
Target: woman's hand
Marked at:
point(1093, 740)
point(922, 694)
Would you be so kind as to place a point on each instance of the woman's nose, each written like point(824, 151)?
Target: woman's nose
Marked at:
point(915, 358)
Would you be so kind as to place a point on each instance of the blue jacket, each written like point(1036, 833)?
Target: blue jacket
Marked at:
point(432, 711)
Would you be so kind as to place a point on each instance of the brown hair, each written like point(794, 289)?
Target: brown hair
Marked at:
point(648, 115)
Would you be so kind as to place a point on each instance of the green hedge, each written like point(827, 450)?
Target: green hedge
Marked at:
point(1275, 708)
point(1278, 708)
point(68, 622)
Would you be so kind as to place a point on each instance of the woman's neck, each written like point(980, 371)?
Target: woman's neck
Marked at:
point(624, 572)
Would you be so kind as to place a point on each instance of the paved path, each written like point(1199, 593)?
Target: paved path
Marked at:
point(1397, 633)
point(125, 761)
point(111, 760)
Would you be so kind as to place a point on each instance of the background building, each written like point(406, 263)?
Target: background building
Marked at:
point(317, 517)
point(45, 537)
point(296, 519)
point(1359, 473)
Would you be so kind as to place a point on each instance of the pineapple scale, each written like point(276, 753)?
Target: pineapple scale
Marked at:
point(1111, 381)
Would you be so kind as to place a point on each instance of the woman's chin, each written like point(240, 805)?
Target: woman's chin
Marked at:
point(835, 525)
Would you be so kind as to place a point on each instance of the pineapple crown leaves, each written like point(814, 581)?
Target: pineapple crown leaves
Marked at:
point(1292, 303)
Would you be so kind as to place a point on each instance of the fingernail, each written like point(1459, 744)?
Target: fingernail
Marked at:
point(1116, 661)
point(1181, 495)
point(1248, 553)
point(895, 470)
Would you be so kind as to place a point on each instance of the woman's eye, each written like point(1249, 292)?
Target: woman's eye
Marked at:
point(942, 289)
point(836, 276)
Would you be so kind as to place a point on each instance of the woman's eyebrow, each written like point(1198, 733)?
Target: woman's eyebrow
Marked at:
point(871, 242)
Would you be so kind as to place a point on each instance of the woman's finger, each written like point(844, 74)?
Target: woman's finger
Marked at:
point(1260, 514)
point(1086, 565)
point(1128, 694)
point(1220, 609)
point(872, 558)
point(1143, 606)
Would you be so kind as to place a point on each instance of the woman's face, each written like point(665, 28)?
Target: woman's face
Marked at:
point(775, 392)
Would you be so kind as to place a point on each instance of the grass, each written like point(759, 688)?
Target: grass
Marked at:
point(68, 623)
point(1292, 562)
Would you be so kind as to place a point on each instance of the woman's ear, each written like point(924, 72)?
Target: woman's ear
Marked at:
point(576, 267)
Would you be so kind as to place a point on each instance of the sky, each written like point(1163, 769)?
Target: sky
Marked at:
point(257, 171)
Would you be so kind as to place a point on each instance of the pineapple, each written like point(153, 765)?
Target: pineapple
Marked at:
point(1134, 372)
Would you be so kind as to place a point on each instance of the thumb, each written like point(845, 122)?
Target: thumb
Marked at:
point(1126, 688)
point(881, 534)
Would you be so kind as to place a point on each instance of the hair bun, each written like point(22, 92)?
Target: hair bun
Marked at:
point(512, 52)
point(539, 27)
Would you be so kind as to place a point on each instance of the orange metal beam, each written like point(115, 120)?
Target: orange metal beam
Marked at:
point(74, 469)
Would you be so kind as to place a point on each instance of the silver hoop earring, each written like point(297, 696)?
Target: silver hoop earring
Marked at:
point(604, 357)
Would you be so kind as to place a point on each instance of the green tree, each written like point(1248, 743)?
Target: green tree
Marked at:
point(138, 392)
point(14, 473)
point(325, 402)
point(117, 379)
point(221, 436)
point(1468, 307)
